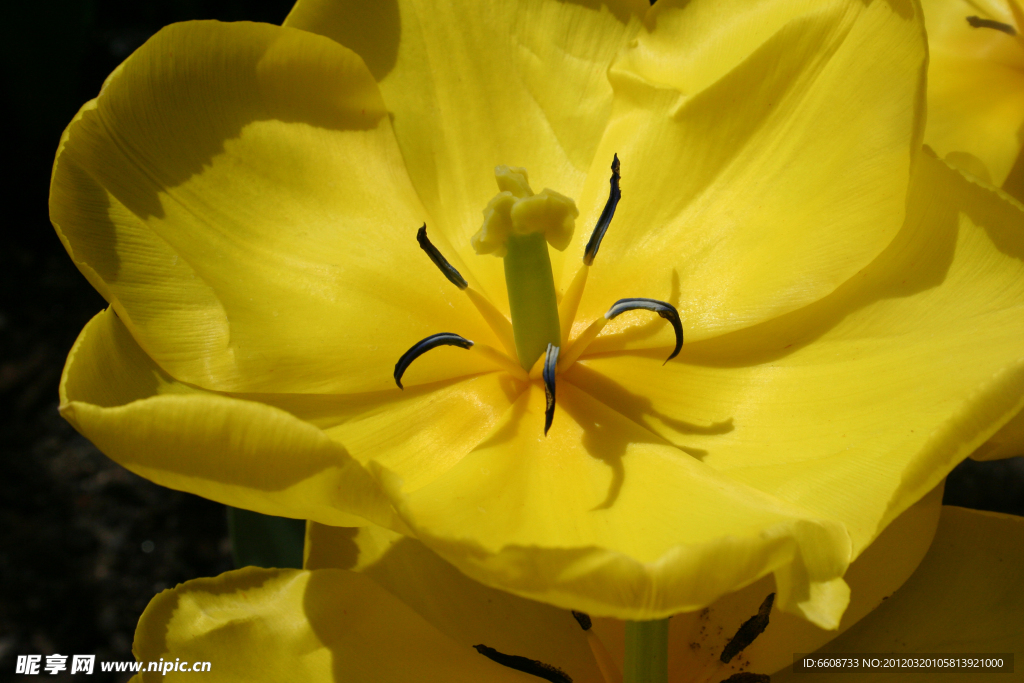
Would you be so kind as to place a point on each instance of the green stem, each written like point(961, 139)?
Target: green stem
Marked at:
point(531, 296)
point(264, 541)
point(646, 652)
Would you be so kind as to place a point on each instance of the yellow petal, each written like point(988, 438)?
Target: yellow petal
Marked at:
point(238, 452)
point(1008, 442)
point(765, 155)
point(464, 610)
point(473, 85)
point(237, 194)
point(644, 529)
point(421, 433)
point(975, 85)
point(289, 625)
point(853, 408)
point(1014, 185)
point(964, 597)
point(697, 639)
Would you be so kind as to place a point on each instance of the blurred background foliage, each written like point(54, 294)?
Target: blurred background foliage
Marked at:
point(84, 544)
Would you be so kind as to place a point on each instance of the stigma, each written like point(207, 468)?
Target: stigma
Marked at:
point(516, 210)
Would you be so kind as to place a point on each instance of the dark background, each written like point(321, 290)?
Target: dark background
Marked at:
point(84, 544)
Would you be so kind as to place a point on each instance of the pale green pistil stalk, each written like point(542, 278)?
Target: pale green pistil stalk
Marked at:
point(646, 652)
point(518, 226)
point(531, 296)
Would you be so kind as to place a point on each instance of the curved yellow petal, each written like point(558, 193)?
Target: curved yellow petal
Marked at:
point(964, 597)
point(603, 516)
point(236, 193)
point(464, 610)
point(1008, 442)
point(697, 639)
point(235, 451)
point(854, 407)
point(288, 625)
point(469, 612)
point(975, 86)
point(1014, 184)
point(474, 85)
point(765, 156)
point(418, 433)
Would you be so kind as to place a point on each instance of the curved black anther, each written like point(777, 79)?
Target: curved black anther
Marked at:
point(550, 360)
point(665, 310)
point(454, 276)
point(749, 631)
point(978, 22)
point(614, 195)
point(524, 664)
point(583, 619)
point(424, 345)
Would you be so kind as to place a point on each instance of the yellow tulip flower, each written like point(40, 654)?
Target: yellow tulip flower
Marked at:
point(374, 606)
point(976, 87)
point(247, 197)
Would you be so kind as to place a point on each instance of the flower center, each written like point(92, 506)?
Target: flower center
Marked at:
point(518, 227)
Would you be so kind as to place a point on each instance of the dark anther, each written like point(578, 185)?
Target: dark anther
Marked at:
point(440, 261)
point(550, 359)
point(527, 666)
point(665, 310)
point(751, 629)
point(583, 618)
point(978, 22)
point(424, 345)
point(747, 677)
point(606, 215)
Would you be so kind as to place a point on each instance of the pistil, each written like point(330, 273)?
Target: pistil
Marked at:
point(531, 296)
point(518, 227)
point(646, 652)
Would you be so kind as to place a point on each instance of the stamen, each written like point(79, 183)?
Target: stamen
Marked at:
point(979, 22)
point(665, 310)
point(527, 666)
point(605, 663)
point(570, 302)
point(424, 345)
point(502, 361)
point(583, 618)
point(614, 195)
point(454, 276)
point(580, 343)
point(751, 629)
point(498, 322)
point(495, 319)
point(550, 360)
